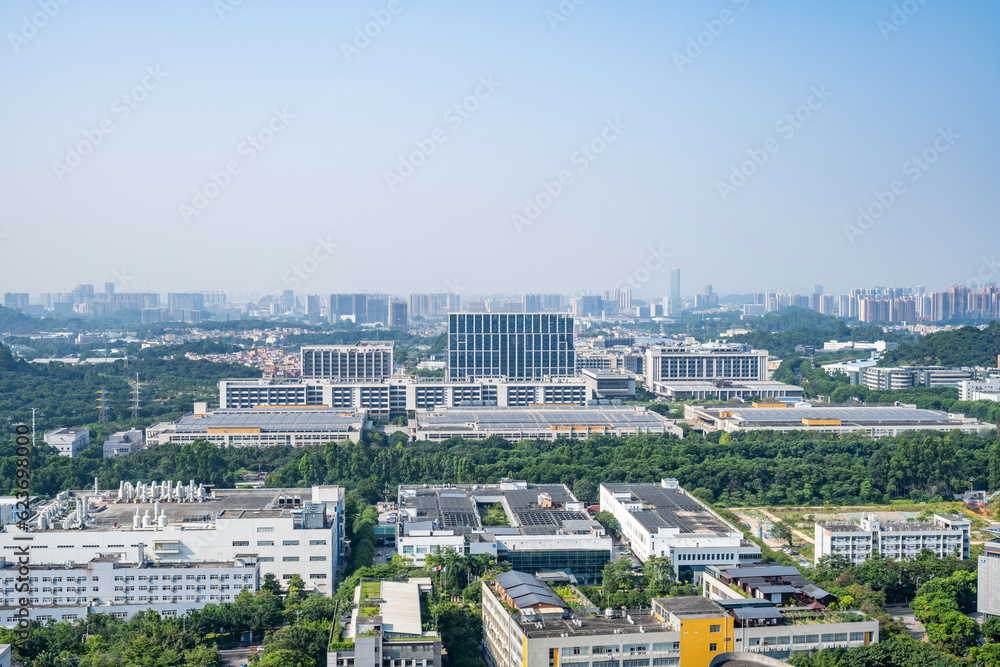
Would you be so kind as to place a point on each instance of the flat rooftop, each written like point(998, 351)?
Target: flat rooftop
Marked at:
point(457, 508)
point(644, 622)
point(848, 414)
point(270, 420)
point(226, 504)
point(515, 419)
point(671, 508)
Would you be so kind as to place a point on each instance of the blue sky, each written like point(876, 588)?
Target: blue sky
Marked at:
point(314, 209)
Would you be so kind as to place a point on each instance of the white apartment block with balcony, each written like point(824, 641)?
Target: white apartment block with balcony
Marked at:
point(69, 591)
point(946, 535)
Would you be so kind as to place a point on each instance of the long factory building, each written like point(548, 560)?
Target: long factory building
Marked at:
point(285, 531)
point(539, 423)
point(874, 420)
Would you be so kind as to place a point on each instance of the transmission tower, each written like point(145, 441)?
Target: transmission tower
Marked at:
point(102, 408)
point(135, 397)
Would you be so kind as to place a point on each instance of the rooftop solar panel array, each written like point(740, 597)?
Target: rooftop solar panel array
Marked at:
point(670, 508)
point(517, 418)
point(291, 420)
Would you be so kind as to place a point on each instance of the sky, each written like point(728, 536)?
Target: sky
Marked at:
point(498, 146)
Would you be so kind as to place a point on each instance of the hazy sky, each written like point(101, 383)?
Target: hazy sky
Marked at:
point(622, 122)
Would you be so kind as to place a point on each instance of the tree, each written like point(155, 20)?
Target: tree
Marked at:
point(954, 632)
point(784, 532)
point(608, 520)
point(991, 629)
point(271, 584)
point(296, 588)
point(583, 489)
point(658, 574)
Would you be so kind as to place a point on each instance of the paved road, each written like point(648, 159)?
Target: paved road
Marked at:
point(903, 613)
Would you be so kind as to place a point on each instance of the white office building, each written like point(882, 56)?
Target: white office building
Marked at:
point(946, 535)
point(106, 584)
point(123, 443)
point(979, 390)
point(69, 441)
point(288, 531)
point(664, 520)
point(988, 600)
point(366, 360)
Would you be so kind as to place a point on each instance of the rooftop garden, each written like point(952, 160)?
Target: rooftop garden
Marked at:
point(816, 618)
point(336, 643)
point(493, 515)
point(572, 598)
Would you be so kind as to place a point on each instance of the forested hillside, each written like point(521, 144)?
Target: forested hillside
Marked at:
point(968, 346)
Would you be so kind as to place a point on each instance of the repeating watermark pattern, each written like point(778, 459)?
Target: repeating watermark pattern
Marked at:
point(915, 168)
point(987, 273)
point(121, 108)
point(581, 159)
point(454, 286)
point(901, 13)
point(786, 126)
point(454, 117)
point(562, 13)
point(223, 7)
point(31, 25)
point(122, 279)
point(300, 271)
point(714, 28)
point(22, 552)
point(363, 35)
point(655, 260)
point(248, 151)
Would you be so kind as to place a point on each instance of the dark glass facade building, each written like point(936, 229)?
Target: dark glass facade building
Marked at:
point(519, 346)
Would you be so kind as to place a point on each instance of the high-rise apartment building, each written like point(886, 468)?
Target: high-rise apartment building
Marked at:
point(519, 346)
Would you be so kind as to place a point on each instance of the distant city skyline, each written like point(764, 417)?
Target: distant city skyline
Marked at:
point(498, 147)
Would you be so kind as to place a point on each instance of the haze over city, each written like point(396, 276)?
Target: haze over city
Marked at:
point(740, 138)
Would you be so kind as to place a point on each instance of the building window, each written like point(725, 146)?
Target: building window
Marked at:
point(241, 543)
point(713, 648)
point(715, 628)
point(317, 543)
point(290, 543)
point(316, 558)
point(265, 543)
point(290, 559)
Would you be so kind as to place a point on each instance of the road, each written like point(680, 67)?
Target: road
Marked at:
point(798, 533)
point(903, 613)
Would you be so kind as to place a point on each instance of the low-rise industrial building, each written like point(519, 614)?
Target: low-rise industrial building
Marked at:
point(539, 423)
point(386, 628)
point(946, 535)
point(123, 443)
point(534, 527)
point(873, 420)
point(69, 441)
point(287, 531)
point(664, 520)
point(684, 631)
point(106, 584)
point(261, 427)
